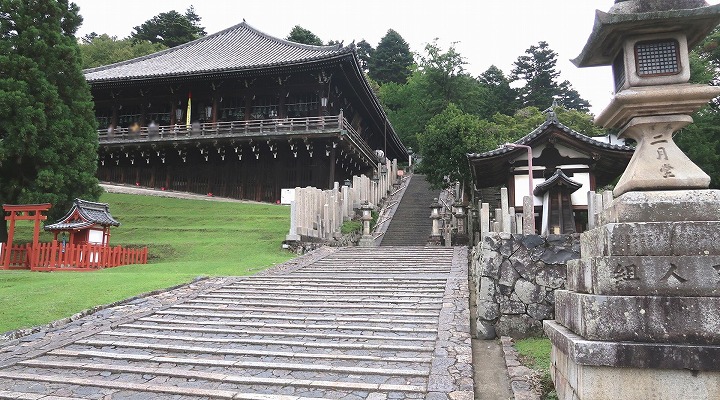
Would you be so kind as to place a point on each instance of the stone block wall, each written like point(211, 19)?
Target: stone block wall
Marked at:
point(515, 278)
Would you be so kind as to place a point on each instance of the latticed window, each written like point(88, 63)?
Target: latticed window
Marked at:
point(658, 57)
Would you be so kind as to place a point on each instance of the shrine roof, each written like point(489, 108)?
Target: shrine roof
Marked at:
point(237, 48)
point(557, 179)
point(84, 214)
point(492, 168)
point(538, 133)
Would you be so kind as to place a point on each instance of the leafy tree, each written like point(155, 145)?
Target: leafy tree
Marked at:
point(97, 50)
point(298, 34)
point(504, 98)
point(537, 70)
point(444, 148)
point(365, 52)
point(170, 28)
point(48, 151)
point(391, 60)
point(438, 80)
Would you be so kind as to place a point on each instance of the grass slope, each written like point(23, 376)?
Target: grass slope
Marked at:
point(186, 238)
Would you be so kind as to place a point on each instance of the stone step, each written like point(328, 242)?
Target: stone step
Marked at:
point(5, 394)
point(190, 326)
point(333, 294)
point(299, 304)
point(343, 299)
point(337, 351)
point(218, 319)
point(234, 306)
point(339, 288)
point(275, 316)
point(73, 369)
point(141, 390)
point(242, 364)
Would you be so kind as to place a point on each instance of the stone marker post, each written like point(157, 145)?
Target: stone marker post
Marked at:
point(640, 318)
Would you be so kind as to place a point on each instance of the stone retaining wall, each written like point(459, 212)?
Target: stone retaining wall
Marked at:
point(515, 278)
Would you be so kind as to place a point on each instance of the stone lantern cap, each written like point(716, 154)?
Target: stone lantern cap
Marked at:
point(694, 18)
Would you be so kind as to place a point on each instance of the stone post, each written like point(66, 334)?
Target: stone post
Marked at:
point(591, 209)
point(528, 215)
point(435, 235)
point(292, 235)
point(504, 206)
point(484, 220)
point(366, 240)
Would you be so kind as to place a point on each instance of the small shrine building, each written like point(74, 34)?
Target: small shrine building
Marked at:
point(87, 222)
point(240, 114)
point(566, 165)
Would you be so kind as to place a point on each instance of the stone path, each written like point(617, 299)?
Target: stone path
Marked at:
point(353, 323)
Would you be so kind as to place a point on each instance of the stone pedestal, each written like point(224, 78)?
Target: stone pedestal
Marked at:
point(640, 318)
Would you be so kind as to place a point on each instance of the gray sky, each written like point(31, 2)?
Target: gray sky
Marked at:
point(486, 32)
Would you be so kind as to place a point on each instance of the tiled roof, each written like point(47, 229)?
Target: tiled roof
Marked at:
point(530, 138)
point(237, 48)
point(559, 178)
point(90, 213)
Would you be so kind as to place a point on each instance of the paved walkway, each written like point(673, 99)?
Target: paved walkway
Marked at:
point(354, 323)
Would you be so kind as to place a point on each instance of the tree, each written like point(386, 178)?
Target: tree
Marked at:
point(97, 50)
point(443, 146)
point(391, 60)
point(504, 97)
point(298, 34)
point(537, 70)
point(170, 28)
point(48, 151)
point(365, 52)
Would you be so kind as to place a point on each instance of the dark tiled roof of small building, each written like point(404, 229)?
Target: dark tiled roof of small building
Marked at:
point(558, 178)
point(90, 213)
point(530, 138)
point(237, 48)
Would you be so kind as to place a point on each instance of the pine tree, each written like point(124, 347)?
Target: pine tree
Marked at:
point(298, 34)
point(537, 69)
point(170, 28)
point(391, 60)
point(48, 138)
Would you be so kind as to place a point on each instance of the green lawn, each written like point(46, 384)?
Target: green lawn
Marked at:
point(535, 354)
point(186, 239)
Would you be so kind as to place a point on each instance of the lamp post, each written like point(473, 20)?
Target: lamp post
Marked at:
point(531, 187)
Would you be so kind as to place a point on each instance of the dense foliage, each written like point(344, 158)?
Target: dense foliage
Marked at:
point(298, 34)
point(445, 112)
point(391, 59)
point(170, 28)
point(48, 137)
point(98, 50)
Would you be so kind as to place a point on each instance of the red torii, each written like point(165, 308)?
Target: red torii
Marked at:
point(18, 213)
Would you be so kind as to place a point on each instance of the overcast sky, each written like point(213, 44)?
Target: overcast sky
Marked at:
point(486, 32)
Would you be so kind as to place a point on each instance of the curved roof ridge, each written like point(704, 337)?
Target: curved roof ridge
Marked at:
point(289, 42)
point(238, 47)
point(540, 129)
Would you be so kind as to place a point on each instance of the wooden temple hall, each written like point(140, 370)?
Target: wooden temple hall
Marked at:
point(240, 114)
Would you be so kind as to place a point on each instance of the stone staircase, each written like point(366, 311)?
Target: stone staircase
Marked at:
point(360, 323)
point(411, 224)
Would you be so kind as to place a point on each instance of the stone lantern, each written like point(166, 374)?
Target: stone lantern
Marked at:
point(366, 240)
point(639, 318)
point(460, 214)
point(435, 235)
point(647, 44)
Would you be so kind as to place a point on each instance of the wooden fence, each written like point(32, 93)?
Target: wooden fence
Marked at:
point(56, 256)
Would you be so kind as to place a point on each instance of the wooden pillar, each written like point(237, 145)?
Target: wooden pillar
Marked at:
point(11, 237)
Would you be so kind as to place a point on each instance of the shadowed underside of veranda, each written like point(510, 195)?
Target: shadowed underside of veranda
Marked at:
point(354, 324)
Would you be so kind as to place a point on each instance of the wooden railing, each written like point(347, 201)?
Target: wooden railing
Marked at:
point(237, 129)
point(56, 256)
point(230, 128)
